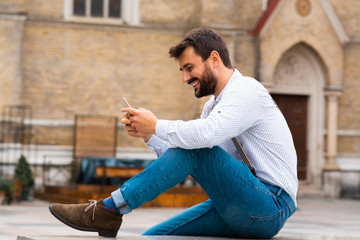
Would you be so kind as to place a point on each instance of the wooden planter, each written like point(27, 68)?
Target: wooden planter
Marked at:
point(17, 189)
point(2, 196)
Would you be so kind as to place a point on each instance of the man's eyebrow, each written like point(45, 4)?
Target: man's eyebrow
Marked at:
point(185, 66)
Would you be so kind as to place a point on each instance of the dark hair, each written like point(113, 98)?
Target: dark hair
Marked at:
point(204, 41)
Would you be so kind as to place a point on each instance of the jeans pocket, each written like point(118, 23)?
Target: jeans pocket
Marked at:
point(264, 226)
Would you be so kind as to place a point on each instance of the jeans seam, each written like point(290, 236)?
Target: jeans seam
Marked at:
point(246, 225)
point(268, 192)
point(288, 205)
point(191, 220)
point(235, 173)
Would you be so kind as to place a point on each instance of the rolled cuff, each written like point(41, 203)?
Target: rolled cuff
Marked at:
point(120, 202)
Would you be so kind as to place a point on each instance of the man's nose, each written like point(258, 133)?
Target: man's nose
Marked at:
point(186, 76)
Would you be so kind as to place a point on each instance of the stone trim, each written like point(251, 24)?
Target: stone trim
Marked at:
point(335, 22)
point(12, 17)
point(348, 133)
point(51, 122)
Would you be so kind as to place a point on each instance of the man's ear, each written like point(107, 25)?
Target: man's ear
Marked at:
point(215, 58)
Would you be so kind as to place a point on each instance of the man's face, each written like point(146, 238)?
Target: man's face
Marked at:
point(197, 73)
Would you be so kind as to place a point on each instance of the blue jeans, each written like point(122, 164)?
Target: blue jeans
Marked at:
point(239, 206)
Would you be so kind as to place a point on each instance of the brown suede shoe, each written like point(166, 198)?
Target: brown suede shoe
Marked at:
point(93, 217)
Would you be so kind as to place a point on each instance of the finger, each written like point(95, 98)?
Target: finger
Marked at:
point(133, 125)
point(133, 134)
point(125, 121)
point(127, 115)
point(129, 110)
point(128, 127)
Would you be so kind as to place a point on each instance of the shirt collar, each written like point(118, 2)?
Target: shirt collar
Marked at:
point(236, 74)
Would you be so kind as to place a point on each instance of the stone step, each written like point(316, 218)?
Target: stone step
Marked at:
point(307, 190)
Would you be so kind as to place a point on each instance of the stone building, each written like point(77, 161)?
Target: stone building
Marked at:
point(70, 57)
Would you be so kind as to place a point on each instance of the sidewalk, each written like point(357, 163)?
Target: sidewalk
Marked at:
point(314, 219)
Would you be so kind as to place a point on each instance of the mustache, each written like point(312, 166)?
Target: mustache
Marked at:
point(192, 80)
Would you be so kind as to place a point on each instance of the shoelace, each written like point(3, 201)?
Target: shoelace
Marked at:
point(92, 204)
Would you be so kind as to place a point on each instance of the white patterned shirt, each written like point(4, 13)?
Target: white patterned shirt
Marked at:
point(243, 109)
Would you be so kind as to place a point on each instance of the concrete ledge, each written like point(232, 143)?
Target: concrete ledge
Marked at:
point(118, 238)
point(78, 238)
point(279, 237)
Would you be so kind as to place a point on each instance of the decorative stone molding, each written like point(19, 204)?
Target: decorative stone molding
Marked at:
point(303, 7)
point(335, 22)
point(11, 17)
point(292, 72)
point(334, 90)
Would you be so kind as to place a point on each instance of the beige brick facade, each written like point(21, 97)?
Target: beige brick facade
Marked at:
point(349, 102)
point(11, 32)
point(349, 107)
point(62, 67)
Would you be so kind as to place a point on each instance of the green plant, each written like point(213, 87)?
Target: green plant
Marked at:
point(24, 174)
point(7, 185)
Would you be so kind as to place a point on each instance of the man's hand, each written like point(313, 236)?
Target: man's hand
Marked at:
point(139, 122)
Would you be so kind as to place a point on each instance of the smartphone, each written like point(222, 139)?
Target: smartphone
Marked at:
point(124, 102)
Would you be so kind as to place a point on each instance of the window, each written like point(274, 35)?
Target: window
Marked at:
point(102, 11)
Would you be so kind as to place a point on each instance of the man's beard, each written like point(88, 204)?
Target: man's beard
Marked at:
point(208, 83)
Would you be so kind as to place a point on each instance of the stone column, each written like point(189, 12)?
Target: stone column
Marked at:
point(331, 144)
point(332, 175)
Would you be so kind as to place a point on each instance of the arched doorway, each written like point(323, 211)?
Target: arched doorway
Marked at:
point(298, 84)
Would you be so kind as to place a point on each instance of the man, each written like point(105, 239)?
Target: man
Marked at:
point(240, 204)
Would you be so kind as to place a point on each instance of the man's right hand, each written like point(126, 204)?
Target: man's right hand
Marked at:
point(131, 131)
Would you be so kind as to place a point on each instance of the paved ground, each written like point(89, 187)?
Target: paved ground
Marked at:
point(314, 219)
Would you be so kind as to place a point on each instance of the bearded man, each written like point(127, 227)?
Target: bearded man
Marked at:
point(241, 204)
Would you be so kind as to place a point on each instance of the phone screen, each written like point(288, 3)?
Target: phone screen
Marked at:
point(124, 102)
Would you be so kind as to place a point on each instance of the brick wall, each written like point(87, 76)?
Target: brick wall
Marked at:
point(238, 14)
point(38, 9)
point(348, 12)
point(82, 69)
point(85, 69)
point(44, 10)
point(11, 31)
point(12, 6)
point(349, 102)
point(233, 14)
point(170, 14)
point(71, 69)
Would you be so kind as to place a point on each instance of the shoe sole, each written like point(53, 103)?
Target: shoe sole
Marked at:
point(102, 233)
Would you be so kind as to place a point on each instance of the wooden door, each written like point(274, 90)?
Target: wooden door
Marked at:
point(294, 109)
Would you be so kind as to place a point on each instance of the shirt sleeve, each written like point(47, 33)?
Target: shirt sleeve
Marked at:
point(158, 145)
point(237, 111)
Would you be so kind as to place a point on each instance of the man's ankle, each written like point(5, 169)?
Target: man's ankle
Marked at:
point(109, 204)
